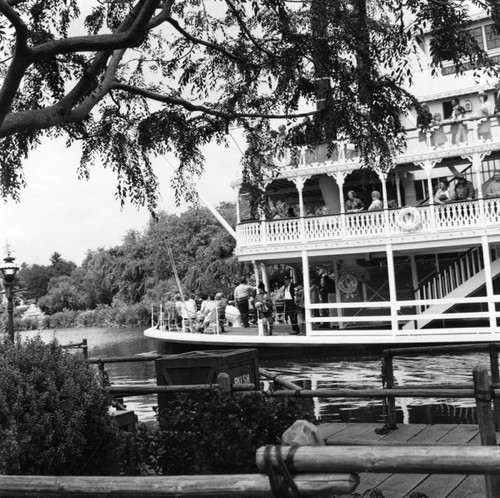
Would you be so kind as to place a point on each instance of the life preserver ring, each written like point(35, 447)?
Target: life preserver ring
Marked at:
point(409, 219)
point(348, 283)
point(282, 159)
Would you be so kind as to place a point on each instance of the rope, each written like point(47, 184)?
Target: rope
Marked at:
point(281, 479)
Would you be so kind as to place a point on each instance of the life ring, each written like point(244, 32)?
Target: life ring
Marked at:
point(282, 158)
point(348, 283)
point(409, 219)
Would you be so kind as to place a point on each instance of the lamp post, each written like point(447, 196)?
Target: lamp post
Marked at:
point(9, 270)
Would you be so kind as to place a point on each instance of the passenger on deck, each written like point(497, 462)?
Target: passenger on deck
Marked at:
point(486, 108)
point(376, 201)
point(438, 137)
point(493, 189)
point(264, 306)
point(464, 191)
point(243, 293)
point(424, 118)
point(443, 194)
point(288, 291)
point(353, 204)
point(458, 129)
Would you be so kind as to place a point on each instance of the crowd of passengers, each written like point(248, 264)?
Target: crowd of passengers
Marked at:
point(463, 190)
point(248, 304)
point(431, 129)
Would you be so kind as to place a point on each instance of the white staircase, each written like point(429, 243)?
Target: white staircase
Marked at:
point(461, 279)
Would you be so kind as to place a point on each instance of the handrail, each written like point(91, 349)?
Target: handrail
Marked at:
point(78, 345)
point(388, 378)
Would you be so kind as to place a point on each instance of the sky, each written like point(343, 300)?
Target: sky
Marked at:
point(59, 213)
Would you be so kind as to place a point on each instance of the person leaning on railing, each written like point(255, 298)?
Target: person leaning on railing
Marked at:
point(493, 189)
point(464, 190)
point(443, 194)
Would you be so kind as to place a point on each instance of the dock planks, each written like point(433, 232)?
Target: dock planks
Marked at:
point(403, 485)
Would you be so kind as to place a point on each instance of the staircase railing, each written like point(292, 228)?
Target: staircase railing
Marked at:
point(452, 277)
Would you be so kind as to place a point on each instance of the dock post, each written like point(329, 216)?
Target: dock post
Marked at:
point(485, 422)
point(224, 382)
point(495, 380)
point(388, 373)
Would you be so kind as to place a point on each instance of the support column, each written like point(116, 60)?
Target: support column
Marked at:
point(337, 292)
point(339, 177)
point(265, 276)
point(238, 215)
point(299, 184)
point(477, 161)
point(392, 289)
point(489, 283)
point(398, 189)
point(307, 293)
point(260, 327)
point(427, 166)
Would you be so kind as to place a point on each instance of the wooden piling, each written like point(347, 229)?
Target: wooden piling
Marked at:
point(430, 459)
point(388, 372)
point(244, 485)
point(224, 382)
point(495, 379)
point(486, 422)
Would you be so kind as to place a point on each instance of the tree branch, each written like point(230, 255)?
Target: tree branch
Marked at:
point(163, 15)
point(247, 31)
point(207, 44)
point(20, 60)
point(189, 106)
point(132, 36)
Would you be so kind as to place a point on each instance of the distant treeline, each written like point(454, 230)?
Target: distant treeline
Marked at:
point(116, 286)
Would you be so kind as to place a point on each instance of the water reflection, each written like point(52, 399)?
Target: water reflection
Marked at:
point(335, 371)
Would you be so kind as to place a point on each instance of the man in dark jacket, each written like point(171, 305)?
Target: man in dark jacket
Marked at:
point(464, 190)
point(288, 292)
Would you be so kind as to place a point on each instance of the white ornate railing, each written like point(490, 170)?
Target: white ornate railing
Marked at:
point(417, 143)
point(371, 225)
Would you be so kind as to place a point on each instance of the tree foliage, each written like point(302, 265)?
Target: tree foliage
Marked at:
point(140, 270)
point(131, 79)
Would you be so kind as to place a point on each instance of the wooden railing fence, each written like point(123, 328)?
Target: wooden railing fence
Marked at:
point(316, 469)
point(454, 390)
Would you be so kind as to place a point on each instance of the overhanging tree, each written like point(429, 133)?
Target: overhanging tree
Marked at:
point(157, 76)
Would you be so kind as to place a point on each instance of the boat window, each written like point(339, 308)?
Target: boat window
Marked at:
point(477, 33)
point(492, 37)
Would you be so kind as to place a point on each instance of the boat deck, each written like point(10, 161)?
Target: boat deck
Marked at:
point(403, 485)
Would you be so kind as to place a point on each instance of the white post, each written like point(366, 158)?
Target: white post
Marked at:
point(238, 216)
point(265, 276)
point(398, 188)
point(337, 293)
point(299, 184)
point(260, 326)
point(392, 289)
point(489, 283)
point(307, 291)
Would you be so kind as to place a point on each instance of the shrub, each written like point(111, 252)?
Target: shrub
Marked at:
point(213, 433)
point(54, 417)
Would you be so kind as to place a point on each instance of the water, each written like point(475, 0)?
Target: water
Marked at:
point(333, 371)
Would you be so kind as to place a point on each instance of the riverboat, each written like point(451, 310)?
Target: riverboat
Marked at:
point(421, 270)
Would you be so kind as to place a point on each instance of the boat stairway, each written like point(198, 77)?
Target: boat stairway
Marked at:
point(461, 279)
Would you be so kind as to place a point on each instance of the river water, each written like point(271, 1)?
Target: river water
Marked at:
point(325, 371)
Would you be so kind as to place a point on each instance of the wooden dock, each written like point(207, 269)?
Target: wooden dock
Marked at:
point(402, 485)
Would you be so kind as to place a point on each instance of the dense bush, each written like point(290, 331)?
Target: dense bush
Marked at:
point(213, 433)
point(54, 418)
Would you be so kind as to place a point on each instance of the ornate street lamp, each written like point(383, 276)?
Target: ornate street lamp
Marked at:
point(9, 270)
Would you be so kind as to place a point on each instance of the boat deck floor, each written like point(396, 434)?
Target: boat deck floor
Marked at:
point(403, 485)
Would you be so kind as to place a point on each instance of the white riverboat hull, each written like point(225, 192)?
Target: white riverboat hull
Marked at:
point(177, 342)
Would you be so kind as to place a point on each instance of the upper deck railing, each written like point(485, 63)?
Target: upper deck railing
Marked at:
point(444, 141)
point(343, 229)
